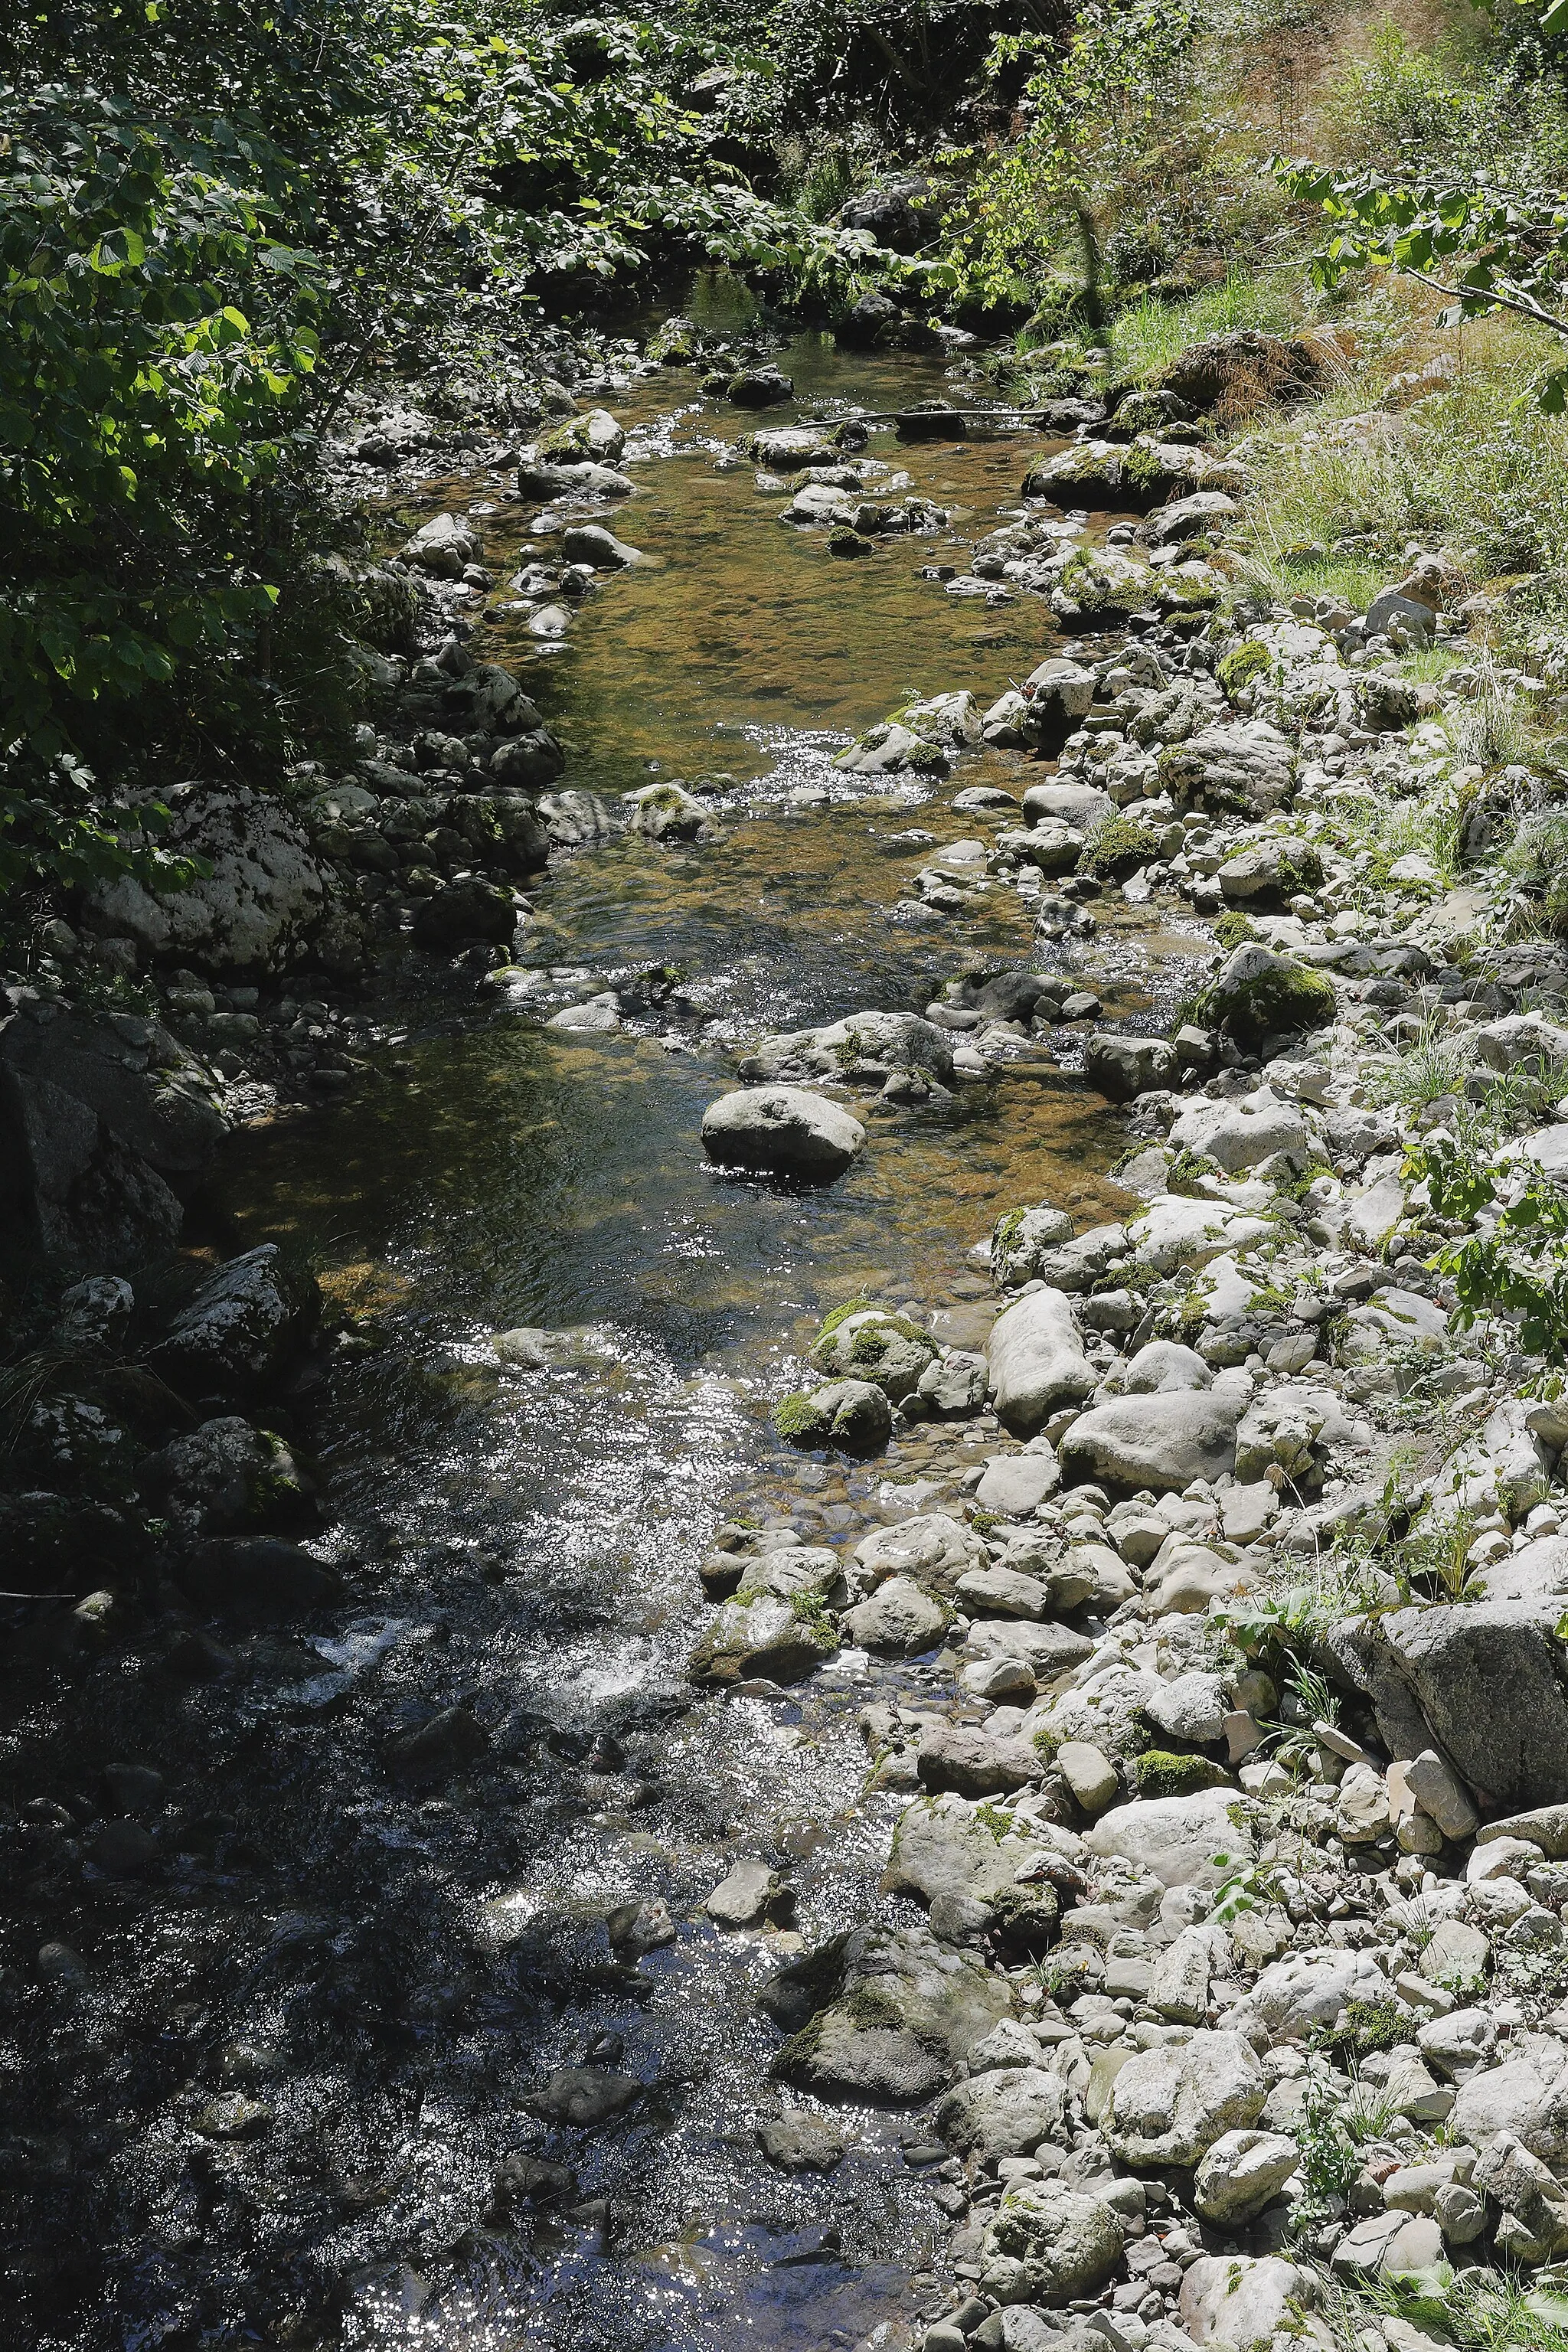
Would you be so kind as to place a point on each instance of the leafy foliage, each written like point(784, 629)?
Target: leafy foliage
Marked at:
point(1518, 1265)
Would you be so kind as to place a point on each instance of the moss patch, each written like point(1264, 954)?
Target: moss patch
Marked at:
point(1238, 667)
point(795, 1417)
point(1116, 849)
point(1282, 998)
point(1161, 1774)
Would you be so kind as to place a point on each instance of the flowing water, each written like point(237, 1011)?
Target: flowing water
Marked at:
point(391, 1968)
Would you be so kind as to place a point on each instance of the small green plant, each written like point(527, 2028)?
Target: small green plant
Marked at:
point(795, 1417)
point(1364, 2027)
point(1116, 847)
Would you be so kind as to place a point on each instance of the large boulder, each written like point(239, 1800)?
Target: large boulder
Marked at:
point(1239, 1135)
point(260, 907)
point(241, 1328)
point(1307, 1994)
point(1250, 768)
point(1049, 2245)
point(1258, 994)
point(931, 1550)
point(227, 1477)
point(1162, 1442)
point(870, 1344)
point(782, 1131)
point(1236, 2303)
point(1491, 1680)
point(1005, 2111)
point(1037, 1361)
point(458, 912)
point(105, 1123)
point(1179, 1840)
point(976, 1865)
point(882, 2017)
point(1121, 1064)
point(777, 1625)
point(1170, 2105)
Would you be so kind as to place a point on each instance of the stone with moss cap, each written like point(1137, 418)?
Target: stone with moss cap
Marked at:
point(667, 812)
point(884, 2016)
point(783, 1130)
point(868, 1343)
point(853, 1415)
point(1258, 994)
point(778, 1623)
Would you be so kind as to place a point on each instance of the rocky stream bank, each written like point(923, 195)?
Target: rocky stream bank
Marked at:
point(965, 1746)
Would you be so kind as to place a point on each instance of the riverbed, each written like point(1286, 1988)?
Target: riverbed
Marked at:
point(393, 1967)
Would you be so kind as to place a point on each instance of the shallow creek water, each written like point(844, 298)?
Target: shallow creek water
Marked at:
point(526, 1544)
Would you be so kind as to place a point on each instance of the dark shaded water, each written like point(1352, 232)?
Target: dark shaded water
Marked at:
point(524, 1544)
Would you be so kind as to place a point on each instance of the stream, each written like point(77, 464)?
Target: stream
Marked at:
point(391, 1968)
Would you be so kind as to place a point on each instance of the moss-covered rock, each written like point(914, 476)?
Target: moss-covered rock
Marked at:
point(853, 1415)
point(1260, 994)
point(1116, 847)
point(870, 1344)
point(1161, 1773)
point(1238, 668)
point(676, 344)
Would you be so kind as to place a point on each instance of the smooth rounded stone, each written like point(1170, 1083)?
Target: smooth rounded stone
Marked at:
point(1162, 1442)
point(1309, 1991)
point(1037, 1361)
point(881, 2016)
point(444, 547)
point(1091, 1775)
point(1016, 1484)
point(595, 1013)
point(765, 1638)
point(931, 1550)
point(1004, 2111)
point(1170, 2105)
point(956, 1756)
point(1120, 1066)
point(853, 1415)
point(1460, 2044)
point(1002, 1592)
point(582, 2097)
point(1163, 1366)
point(786, 1130)
point(1179, 1988)
point(742, 1897)
point(1174, 1232)
point(590, 437)
point(1177, 1839)
point(1106, 1709)
point(590, 542)
point(1192, 1706)
point(1048, 2245)
point(1079, 805)
point(900, 1621)
point(1231, 2300)
point(122, 1849)
point(999, 1681)
point(801, 2143)
point(1242, 2173)
point(537, 477)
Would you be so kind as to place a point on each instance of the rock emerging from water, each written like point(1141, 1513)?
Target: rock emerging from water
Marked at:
point(782, 1131)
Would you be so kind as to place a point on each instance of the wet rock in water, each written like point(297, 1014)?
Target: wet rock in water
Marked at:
point(590, 542)
point(667, 812)
point(759, 387)
point(234, 2116)
point(538, 479)
point(1048, 2245)
point(523, 763)
point(444, 547)
point(776, 1627)
point(591, 438)
point(853, 1415)
point(1021, 1240)
point(880, 2016)
point(1162, 1442)
point(782, 1131)
point(602, 1011)
point(123, 1849)
point(1037, 1361)
point(584, 2098)
point(639, 1928)
point(466, 911)
point(742, 1897)
point(798, 2142)
point(435, 1750)
point(873, 1043)
point(242, 1326)
point(522, 2180)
